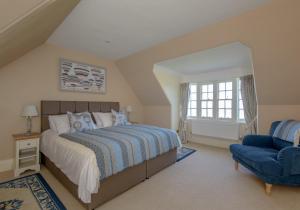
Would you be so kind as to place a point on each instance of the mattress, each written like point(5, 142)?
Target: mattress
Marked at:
point(76, 161)
point(90, 156)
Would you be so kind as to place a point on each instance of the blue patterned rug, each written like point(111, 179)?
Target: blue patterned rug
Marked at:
point(184, 152)
point(29, 192)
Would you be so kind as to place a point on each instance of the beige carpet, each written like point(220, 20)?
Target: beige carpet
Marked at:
point(205, 180)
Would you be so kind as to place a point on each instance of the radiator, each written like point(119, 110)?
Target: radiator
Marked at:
point(217, 129)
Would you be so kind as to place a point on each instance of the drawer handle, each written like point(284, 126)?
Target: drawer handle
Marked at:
point(28, 144)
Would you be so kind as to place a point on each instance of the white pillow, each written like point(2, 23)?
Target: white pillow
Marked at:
point(103, 119)
point(59, 123)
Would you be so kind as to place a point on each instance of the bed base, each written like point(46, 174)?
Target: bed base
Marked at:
point(118, 183)
point(155, 165)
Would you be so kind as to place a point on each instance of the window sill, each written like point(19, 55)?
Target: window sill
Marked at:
point(216, 121)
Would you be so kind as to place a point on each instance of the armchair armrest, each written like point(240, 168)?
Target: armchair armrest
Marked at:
point(289, 159)
point(258, 141)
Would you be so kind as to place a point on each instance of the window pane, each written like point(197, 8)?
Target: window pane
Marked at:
point(209, 113)
point(210, 104)
point(221, 104)
point(228, 94)
point(241, 115)
point(222, 86)
point(241, 106)
point(203, 104)
point(228, 85)
point(193, 88)
point(210, 88)
point(204, 88)
point(221, 113)
point(222, 95)
point(204, 113)
point(204, 96)
point(210, 96)
point(193, 96)
point(193, 104)
point(228, 104)
point(228, 113)
point(240, 95)
point(193, 113)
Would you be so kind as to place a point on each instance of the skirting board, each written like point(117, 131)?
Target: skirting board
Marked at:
point(216, 142)
point(6, 165)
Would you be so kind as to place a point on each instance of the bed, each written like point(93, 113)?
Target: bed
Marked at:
point(75, 165)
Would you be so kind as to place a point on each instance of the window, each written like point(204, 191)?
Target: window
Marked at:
point(192, 106)
point(207, 98)
point(219, 100)
point(225, 100)
point(241, 115)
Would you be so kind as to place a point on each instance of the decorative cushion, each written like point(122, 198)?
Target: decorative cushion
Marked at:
point(81, 121)
point(103, 119)
point(59, 123)
point(288, 130)
point(119, 118)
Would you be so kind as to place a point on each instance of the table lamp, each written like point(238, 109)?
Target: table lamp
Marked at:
point(128, 110)
point(29, 111)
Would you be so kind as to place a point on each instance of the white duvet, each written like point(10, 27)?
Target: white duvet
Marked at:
point(76, 161)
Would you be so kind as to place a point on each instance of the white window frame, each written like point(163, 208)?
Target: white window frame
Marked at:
point(200, 100)
point(197, 107)
point(238, 102)
point(235, 100)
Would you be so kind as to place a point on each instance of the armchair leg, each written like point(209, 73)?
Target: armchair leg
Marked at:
point(268, 188)
point(236, 165)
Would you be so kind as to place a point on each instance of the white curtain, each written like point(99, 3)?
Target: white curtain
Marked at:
point(183, 128)
point(250, 104)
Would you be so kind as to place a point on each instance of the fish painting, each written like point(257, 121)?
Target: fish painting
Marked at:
point(82, 77)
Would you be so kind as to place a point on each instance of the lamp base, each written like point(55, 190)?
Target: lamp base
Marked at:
point(29, 126)
point(28, 133)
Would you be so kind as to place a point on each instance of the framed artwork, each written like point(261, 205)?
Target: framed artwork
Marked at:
point(82, 77)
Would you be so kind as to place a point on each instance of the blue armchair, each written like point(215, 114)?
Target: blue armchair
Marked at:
point(273, 160)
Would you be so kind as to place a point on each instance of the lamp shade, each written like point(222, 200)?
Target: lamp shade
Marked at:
point(129, 109)
point(30, 111)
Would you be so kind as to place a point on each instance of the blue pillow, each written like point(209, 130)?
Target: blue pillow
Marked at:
point(81, 121)
point(119, 118)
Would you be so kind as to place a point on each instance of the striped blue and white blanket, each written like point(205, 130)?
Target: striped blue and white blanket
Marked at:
point(287, 130)
point(120, 147)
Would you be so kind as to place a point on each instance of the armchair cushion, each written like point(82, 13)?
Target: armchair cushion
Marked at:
point(273, 127)
point(258, 141)
point(261, 159)
point(289, 158)
point(279, 144)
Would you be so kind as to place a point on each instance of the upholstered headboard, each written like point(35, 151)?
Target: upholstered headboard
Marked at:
point(62, 107)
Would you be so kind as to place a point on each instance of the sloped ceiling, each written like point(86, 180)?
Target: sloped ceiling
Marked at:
point(117, 28)
point(233, 55)
point(13, 9)
point(18, 36)
point(271, 32)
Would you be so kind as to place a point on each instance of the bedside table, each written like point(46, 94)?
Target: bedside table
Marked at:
point(27, 152)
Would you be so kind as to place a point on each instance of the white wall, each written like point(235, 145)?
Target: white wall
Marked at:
point(223, 74)
point(228, 130)
point(217, 129)
point(170, 83)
